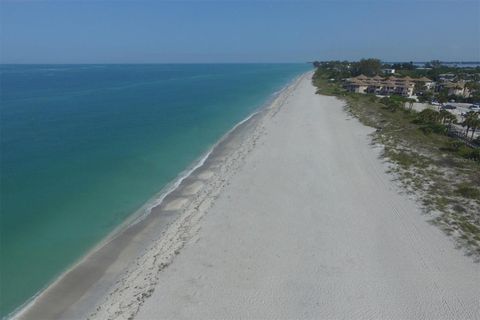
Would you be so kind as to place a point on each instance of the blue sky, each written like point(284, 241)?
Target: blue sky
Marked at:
point(237, 31)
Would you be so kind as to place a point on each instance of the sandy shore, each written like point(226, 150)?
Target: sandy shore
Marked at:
point(312, 227)
point(292, 216)
point(141, 249)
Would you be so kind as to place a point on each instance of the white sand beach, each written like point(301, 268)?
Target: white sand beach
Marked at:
point(311, 226)
point(295, 217)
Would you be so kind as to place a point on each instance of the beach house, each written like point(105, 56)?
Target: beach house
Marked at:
point(454, 88)
point(382, 86)
point(427, 83)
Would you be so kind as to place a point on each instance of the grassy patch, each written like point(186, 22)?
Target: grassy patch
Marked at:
point(444, 173)
point(467, 191)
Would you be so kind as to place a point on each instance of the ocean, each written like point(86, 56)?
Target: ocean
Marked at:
point(83, 147)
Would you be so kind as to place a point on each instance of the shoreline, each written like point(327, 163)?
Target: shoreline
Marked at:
point(105, 262)
point(311, 226)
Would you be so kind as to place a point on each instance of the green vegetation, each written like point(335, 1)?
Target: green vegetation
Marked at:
point(368, 67)
point(467, 191)
point(431, 121)
point(441, 171)
point(395, 103)
point(462, 150)
point(472, 122)
point(433, 70)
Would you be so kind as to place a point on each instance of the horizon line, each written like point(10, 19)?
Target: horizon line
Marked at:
point(233, 62)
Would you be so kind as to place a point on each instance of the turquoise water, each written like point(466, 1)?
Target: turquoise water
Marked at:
point(84, 146)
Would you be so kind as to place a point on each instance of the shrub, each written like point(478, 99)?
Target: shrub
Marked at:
point(434, 128)
point(454, 145)
point(372, 98)
point(393, 103)
point(467, 191)
point(427, 116)
point(469, 153)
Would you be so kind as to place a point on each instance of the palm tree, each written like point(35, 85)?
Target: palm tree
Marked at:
point(443, 114)
point(474, 125)
point(471, 122)
point(442, 96)
point(449, 119)
point(410, 103)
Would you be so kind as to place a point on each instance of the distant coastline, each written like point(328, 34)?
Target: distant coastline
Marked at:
point(463, 64)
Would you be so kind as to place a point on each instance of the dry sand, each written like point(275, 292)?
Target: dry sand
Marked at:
point(312, 227)
point(292, 216)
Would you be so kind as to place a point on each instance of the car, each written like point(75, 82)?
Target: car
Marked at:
point(449, 107)
point(435, 103)
point(474, 107)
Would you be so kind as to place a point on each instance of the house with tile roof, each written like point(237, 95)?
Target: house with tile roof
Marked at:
point(381, 86)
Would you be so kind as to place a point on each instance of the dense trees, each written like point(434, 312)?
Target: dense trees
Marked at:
point(368, 67)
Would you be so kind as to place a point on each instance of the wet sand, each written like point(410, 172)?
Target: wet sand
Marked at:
point(77, 293)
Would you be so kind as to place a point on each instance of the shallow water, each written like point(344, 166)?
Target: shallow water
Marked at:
point(84, 146)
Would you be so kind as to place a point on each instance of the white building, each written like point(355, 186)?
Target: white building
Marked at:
point(388, 71)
